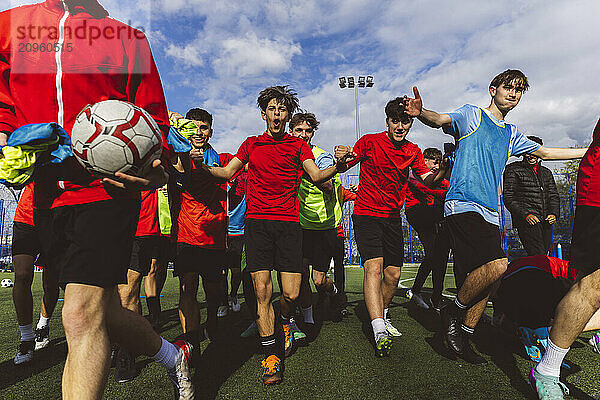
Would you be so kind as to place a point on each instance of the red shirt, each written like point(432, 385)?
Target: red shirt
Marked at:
point(274, 175)
point(383, 174)
point(148, 221)
point(202, 219)
point(553, 265)
point(424, 195)
point(588, 176)
point(118, 67)
point(24, 211)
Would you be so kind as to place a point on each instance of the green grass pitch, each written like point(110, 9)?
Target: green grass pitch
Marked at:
point(339, 364)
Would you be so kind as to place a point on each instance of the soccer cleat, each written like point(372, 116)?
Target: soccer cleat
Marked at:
point(181, 375)
point(530, 342)
point(272, 373)
point(547, 387)
point(434, 306)
point(408, 294)
point(251, 330)
point(296, 332)
point(419, 302)
point(595, 343)
point(42, 338)
point(391, 329)
point(470, 355)
point(452, 331)
point(383, 346)
point(222, 311)
point(125, 369)
point(235, 303)
point(344, 311)
point(288, 339)
point(25, 353)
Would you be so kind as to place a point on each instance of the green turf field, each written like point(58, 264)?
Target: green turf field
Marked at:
point(339, 364)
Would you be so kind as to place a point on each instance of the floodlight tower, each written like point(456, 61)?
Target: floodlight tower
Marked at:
point(349, 83)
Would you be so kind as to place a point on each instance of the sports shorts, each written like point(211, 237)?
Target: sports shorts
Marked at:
point(379, 237)
point(585, 243)
point(473, 240)
point(89, 243)
point(207, 262)
point(529, 297)
point(144, 249)
point(318, 247)
point(233, 254)
point(273, 245)
point(25, 240)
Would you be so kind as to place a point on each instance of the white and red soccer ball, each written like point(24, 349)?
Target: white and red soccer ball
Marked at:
point(115, 136)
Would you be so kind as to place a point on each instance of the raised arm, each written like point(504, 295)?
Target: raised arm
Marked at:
point(226, 172)
point(343, 156)
point(554, 153)
point(414, 108)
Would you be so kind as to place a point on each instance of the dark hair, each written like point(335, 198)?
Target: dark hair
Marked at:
point(395, 108)
point(509, 76)
point(432, 153)
point(198, 114)
point(299, 118)
point(282, 94)
point(536, 139)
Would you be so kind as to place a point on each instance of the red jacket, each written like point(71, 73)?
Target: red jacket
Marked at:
point(53, 62)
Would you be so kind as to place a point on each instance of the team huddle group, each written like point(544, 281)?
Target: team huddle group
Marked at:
point(274, 205)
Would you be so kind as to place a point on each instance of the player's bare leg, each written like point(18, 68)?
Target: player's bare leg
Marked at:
point(374, 300)
point(263, 288)
point(153, 285)
point(130, 292)
point(189, 310)
point(23, 302)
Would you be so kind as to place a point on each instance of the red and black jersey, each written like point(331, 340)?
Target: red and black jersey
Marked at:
point(24, 211)
point(148, 224)
point(118, 66)
point(274, 175)
point(588, 176)
point(417, 193)
point(383, 178)
point(202, 216)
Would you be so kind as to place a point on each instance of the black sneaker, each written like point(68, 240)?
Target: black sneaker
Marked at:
point(451, 330)
point(25, 353)
point(42, 338)
point(125, 369)
point(470, 355)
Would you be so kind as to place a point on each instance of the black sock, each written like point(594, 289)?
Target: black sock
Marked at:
point(458, 309)
point(268, 344)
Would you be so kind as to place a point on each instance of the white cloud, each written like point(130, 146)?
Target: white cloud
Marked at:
point(189, 54)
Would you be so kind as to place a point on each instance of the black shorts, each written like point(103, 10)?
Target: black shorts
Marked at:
point(585, 244)
point(233, 254)
point(89, 243)
point(473, 240)
point(273, 245)
point(144, 249)
point(167, 250)
point(529, 297)
point(25, 240)
point(379, 237)
point(207, 262)
point(318, 247)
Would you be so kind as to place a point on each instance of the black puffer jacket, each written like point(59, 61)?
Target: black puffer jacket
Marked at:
point(526, 192)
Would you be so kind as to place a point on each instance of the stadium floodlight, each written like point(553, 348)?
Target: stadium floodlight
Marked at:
point(351, 82)
point(348, 82)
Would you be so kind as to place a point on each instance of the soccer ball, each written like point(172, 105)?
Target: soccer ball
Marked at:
point(7, 283)
point(115, 136)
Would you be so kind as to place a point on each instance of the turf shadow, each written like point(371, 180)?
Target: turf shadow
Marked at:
point(43, 359)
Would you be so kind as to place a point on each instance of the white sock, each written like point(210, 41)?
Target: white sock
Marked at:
point(385, 311)
point(552, 359)
point(308, 315)
point(26, 332)
point(43, 322)
point(378, 325)
point(167, 355)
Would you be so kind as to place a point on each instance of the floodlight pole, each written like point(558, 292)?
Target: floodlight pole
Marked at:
point(356, 113)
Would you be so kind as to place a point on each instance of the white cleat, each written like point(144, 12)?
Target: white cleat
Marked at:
point(181, 376)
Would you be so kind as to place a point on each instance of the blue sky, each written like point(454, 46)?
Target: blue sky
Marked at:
point(219, 55)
